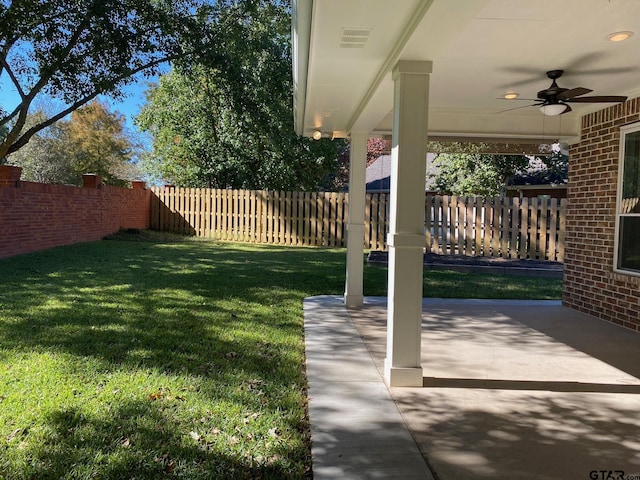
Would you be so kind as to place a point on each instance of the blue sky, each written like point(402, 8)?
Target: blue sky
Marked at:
point(129, 106)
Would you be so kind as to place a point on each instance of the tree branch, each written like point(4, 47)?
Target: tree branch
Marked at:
point(12, 76)
point(5, 51)
point(26, 136)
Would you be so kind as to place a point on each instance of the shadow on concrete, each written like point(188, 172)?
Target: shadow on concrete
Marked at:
point(519, 390)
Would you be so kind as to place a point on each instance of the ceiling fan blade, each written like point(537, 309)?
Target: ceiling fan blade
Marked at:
point(519, 99)
point(599, 99)
point(574, 92)
point(604, 71)
point(523, 106)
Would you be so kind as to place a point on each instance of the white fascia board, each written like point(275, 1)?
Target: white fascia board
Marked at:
point(301, 17)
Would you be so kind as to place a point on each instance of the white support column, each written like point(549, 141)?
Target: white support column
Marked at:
point(406, 238)
point(353, 294)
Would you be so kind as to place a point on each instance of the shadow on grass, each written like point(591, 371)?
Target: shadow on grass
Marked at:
point(223, 321)
point(139, 439)
point(165, 306)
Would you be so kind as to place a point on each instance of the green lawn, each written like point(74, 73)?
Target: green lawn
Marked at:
point(147, 359)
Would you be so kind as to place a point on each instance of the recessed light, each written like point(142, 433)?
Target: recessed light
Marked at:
point(511, 95)
point(619, 36)
point(317, 135)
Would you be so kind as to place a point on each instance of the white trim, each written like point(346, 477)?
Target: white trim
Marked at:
point(301, 11)
point(624, 131)
point(546, 186)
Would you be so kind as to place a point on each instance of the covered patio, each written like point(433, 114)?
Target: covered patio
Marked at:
point(485, 390)
point(515, 389)
point(508, 74)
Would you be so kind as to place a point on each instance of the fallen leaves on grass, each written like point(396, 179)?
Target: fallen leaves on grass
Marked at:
point(169, 464)
point(164, 393)
point(156, 396)
point(170, 467)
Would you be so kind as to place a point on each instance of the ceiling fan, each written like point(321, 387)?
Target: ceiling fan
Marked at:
point(555, 100)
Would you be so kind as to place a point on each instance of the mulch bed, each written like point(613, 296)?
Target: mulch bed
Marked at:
point(463, 260)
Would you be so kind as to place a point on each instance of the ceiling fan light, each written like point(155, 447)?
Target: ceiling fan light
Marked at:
point(553, 109)
point(619, 36)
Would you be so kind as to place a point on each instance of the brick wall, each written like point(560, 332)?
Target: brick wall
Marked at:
point(37, 216)
point(590, 285)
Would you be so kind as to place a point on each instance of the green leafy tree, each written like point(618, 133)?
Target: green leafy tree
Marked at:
point(475, 173)
point(549, 169)
point(228, 121)
point(75, 50)
point(472, 171)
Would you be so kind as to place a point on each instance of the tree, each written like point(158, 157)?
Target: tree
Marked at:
point(45, 159)
point(470, 170)
point(550, 169)
point(75, 50)
point(3, 128)
point(94, 140)
point(231, 124)
point(98, 144)
point(476, 173)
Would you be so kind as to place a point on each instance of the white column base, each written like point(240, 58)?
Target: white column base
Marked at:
point(354, 284)
point(353, 301)
point(404, 311)
point(402, 377)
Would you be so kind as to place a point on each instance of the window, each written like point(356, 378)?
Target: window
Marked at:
point(628, 213)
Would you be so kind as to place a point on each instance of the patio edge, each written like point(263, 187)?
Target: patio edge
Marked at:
point(357, 431)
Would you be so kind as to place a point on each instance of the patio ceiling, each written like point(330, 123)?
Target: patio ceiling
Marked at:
point(344, 51)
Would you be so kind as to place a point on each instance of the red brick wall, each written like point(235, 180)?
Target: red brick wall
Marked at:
point(37, 216)
point(590, 285)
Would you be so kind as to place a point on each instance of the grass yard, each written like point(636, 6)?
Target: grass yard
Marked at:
point(153, 359)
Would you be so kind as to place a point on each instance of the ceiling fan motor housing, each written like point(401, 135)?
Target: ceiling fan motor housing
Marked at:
point(550, 94)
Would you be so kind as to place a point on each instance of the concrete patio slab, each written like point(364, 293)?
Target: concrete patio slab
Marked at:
point(518, 390)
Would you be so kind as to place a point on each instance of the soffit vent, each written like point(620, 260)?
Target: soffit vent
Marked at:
point(354, 37)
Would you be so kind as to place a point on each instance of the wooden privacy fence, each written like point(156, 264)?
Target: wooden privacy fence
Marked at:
point(528, 228)
point(258, 216)
point(498, 227)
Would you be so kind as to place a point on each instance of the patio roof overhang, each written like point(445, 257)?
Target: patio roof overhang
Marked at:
point(344, 52)
point(419, 69)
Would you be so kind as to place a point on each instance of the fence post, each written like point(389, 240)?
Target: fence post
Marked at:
point(91, 180)
point(10, 175)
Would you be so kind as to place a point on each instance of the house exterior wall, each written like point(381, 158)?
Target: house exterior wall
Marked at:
point(590, 284)
point(37, 216)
